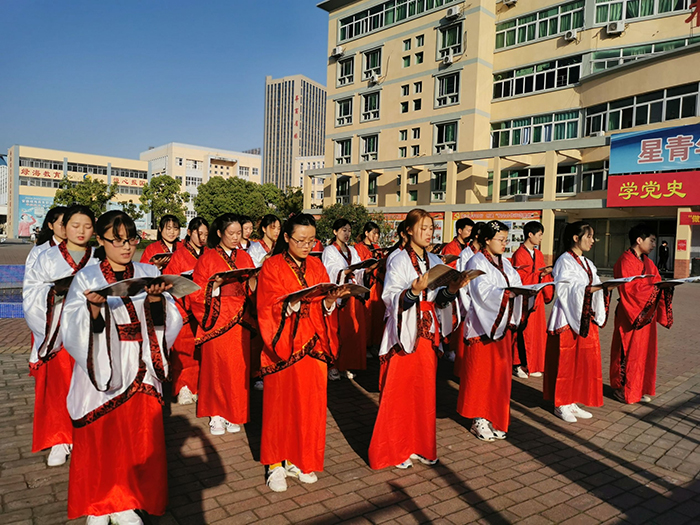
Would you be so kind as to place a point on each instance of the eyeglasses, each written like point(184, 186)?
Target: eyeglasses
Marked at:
point(119, 243)
point(303, 244)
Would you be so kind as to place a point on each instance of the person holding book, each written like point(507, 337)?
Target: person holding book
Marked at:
point(120, 346)
point(352, 316)
point(367, 248)
point(643, 304)
point(219, 307)
point(167, 241)
point(495, 311)
point(529, 344)
point(301, 341)
point(51, 234)
point(419, 318)
point(49, 364)
point(572, 369)
point(183, 361)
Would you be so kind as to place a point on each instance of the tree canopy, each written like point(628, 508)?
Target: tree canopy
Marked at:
point(162, 196)
point(358, 216)
point(89, 192)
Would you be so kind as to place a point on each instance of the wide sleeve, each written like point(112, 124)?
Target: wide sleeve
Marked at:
point(41, 306)
point(400, 274)
point(574, 294)
point(160, 337)
point(640, 301)
point(489, 298)
point(257, 253)
point(335, 264)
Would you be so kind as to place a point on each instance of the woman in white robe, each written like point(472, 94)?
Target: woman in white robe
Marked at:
point(49, 364)
point(269, 231)
point(51, 234)
point(120, 346)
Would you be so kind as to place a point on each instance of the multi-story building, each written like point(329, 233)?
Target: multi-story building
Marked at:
point(506, 110)
point(295, 116)
point(3, 194)
point(302, 164)
point(34, 175)
point(195, 165)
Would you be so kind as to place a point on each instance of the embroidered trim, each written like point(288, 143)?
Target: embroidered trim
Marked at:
point(307, 349)
point(559, 331)
point(38, 364)
point(155, 346)
point(63, 248)
point(220, 331)
point(668, 304)
point(507, 301)
point(129, 332)
point(394, 350)
point(194, 253)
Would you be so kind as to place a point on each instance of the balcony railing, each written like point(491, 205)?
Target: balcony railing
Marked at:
point(437, 196)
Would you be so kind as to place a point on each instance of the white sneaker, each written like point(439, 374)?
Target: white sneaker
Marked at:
point(481, 428)
point(579, 413)
point(276, 480)
point(535, 374)
point(58, 455)
point(217, 426)
point(497, 434)
point(258, 385)
point(519, 372)
point(333, 374)
point(126, 517)
point(424, 460)
point(564, 412)
point(349, 374)
point(185, 396)
point(232, 427)
point(292, 471)
point(645, 398)
point(98, 520)
point(406, 464)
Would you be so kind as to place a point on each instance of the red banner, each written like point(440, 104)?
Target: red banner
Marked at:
point(690, 218)
point(654, 189)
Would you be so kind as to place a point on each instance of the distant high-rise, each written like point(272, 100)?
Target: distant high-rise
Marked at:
point(295, 116)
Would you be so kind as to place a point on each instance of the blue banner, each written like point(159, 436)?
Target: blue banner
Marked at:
point(666, 149)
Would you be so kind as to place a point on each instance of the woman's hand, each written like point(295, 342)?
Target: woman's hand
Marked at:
point(94, 298)
point(547, 271)
point(333, 296)
point(419, 284)
point(253, 283)
point(218, 283)
point(155, 291)
point(161, 262)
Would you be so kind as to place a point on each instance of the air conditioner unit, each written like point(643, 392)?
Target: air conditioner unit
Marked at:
point(446, 61)
point(510, 2)
point(338, 51)
point(522, 198)
point(615, 28)
point(571, 35)
point(597, 134)
point(374, 79)
point(453, 12)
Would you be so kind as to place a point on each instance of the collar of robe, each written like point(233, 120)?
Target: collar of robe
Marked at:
point(109, 274)
point(585, 266)
point(230, 259)
point(299, 270)
point(63, 248)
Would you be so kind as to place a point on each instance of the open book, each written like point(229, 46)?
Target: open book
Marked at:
point(131, 287)
point(362, 264)
point(449, 257)
point(322, 290)
point(527, 288)
point(442, 275)
point(60, 286)
point(677, 282)
point(236, 276)
point(622, 280)
point(160, 257)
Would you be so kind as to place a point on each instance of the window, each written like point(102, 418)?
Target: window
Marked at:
point(405, 90)
point(370, 145)
point(418, 87)
point(417, 104)
point(528, 181)
point(413, 178)
point(346, 71)
point(370, 106)
point(372, 63)
point(255, 172)
point(244, 172)
point(343, 149)
point(450, 41)
point(594, 176)
point(540, 77)
point(447, 90)
point(193, 181)
point(648, 108)
point(531, 130)
point(407, 61)
point(402, 152)
point(194, 164)
point(342, 187)
point(178, 161)
point(438, 186)
point(415, 151)
point(614, 10)
point(446, 137)
point(419, 58)
point(319, 195)
point(404, 107)
point(416, 133)
point(413, 195)
point(407, 45)
point(420, 40)
point(543, 24)
point(566, 179)
point(372, 187)
point(343, 112)
point(179, 179)
point(609, 58)
point(403, 134)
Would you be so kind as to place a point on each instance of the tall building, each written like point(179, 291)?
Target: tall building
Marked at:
point(517, 111)
point(295, 116)
point(195, 165)
point(3, 194)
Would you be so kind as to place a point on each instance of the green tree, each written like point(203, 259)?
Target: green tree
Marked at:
point(132, 209)
point(162, 196)
point(89, 192)
point(292, 202)
point(358, 216)
point(232, 195)
point(273, 195)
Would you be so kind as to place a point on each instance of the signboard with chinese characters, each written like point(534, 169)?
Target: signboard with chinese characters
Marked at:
point(656, 150)
point(395, 218)
point(32, 210)
point(679, 188)
point(690, 218)
point(515, 220)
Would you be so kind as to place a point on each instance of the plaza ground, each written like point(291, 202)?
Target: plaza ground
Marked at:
point(629, 464)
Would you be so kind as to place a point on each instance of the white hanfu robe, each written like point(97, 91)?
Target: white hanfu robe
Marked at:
point(258, 252)
point(38, 249)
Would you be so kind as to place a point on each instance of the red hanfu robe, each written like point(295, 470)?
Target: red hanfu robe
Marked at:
point(299, 344)
point(530, 344)
point(572, 368)
point(634, 348)
point(224, 373)
point(375, 305)
point(155, 248)
point(183, 361)
point(454, 247)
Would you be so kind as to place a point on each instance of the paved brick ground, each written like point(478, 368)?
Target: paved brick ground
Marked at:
point(631, 464)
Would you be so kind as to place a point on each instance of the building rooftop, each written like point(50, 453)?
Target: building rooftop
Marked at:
point(333, 5)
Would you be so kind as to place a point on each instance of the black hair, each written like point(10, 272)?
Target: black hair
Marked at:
point(461, 223)
point(300, 219)
point(113, 220)
point(219, 225)
point(78, 209)
point(489, 230)
point(476, 229)
point(573, 229)
point(369, 227)
point(194, 225)
point(532, 227)
point(267, 221)
point(400, 228)
point(52, 216)
point(642, 230)
point(164, 221)
point(340, 223)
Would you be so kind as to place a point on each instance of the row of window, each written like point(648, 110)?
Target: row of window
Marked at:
point(532, 130)
point(542, 24)
point(615, 10)
point(130, 190)
point(74, 167)
point(41, 183)
point(610, 58)
point(540, 77)
point(571, 179)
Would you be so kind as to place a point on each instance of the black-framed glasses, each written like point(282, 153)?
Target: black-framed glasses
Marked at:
point(119, 243)
point(303, 244)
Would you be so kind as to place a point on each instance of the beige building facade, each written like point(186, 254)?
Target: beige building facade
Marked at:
point(506, 110)
point(302, 164)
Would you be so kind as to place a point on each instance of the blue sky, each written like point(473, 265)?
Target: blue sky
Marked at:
point(114, 77)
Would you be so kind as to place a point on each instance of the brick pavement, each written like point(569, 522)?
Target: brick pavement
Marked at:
point(630, 464)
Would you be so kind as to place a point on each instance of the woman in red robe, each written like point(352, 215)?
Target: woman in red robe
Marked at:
point(167, 241)
point(301, 340)
point(183, 361)
point(219, 307)
point(368, 248)
point(642, 304)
